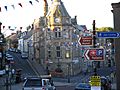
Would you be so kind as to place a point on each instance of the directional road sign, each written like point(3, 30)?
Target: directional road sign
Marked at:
point(86, 40)
point(96, 54)
point(108, 34)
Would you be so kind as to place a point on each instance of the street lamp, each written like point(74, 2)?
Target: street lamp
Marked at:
point(1, 47)
point(7, 73)
point(67, 55)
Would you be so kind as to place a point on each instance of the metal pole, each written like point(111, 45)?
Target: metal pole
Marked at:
point(1, 48)
point(10, 75)
point(7, 76)
point(7, 86)
point(68, 72)
point(58, 63)
point(0, 27)
point(28, 49)
point(94, 46)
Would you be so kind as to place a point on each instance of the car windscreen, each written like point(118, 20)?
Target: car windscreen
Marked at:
point(33, 83)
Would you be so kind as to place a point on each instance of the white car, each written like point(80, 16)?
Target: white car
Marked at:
point(2, 72)
point(24, 55)
point(38, 83)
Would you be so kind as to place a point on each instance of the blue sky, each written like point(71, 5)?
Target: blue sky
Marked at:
point(86, 11)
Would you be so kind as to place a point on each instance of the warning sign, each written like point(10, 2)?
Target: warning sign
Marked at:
point(95, 81)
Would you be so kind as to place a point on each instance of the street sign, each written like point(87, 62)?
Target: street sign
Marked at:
point(95, 81)
point(86, 41)
point(108, 34)
point(95, 88)
point(96, 54)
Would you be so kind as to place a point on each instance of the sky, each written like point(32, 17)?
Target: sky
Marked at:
point(85, 10)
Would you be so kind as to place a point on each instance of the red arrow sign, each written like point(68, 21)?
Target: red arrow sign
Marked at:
point(96, 54)
point(87, 40)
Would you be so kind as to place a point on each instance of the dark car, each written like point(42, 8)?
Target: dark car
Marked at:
point(105, 83)
point(83, 86)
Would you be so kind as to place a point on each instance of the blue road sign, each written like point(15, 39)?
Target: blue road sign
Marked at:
point(108, 34)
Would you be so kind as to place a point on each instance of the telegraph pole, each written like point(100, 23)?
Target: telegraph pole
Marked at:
point(94, 46)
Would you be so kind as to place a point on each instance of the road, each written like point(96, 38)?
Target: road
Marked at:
point(65, 88)
point(27, 70)
point(20, 63)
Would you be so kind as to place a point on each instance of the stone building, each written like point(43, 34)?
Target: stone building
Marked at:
point(55, 40)
point(12, 41)
point(116, 18)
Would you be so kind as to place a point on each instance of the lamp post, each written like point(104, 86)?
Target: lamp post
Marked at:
point(68, 66)
point(67, 55)
point(1, 47)
point(7, 76)
point(28, 49)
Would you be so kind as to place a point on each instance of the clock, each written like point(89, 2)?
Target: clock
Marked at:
point(57, 20)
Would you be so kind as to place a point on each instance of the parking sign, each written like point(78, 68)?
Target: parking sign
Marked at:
point(96, 54)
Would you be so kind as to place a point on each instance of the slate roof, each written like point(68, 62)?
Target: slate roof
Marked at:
point(58, 4)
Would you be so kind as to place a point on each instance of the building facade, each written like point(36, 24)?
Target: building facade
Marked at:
point(59, 47)
point(116, 18)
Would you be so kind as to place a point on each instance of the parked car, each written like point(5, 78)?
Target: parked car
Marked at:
point(2, 72)
point(9, 58)
point(38, 83)
point(24, 55)
point(83, 86)
point(105, 83)
point(17, 51)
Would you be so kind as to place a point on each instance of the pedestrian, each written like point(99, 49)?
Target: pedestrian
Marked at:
point(32, 58)
point(109, 85)
point(13, 72)
point(112, 76)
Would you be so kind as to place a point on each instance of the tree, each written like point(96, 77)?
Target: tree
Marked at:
point(104, 29)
